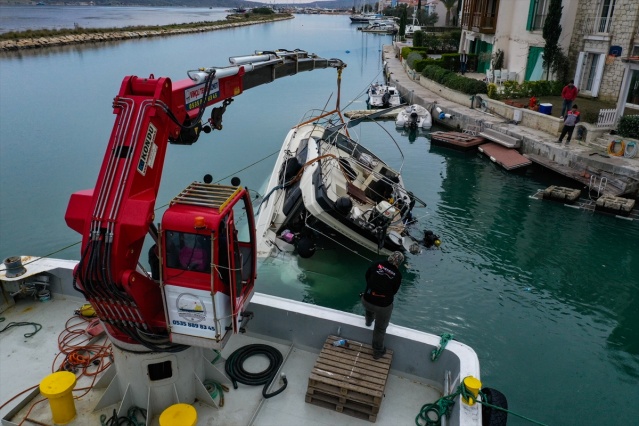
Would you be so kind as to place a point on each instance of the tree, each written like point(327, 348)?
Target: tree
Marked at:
point(402, 23)
point(551, 33)
point(449, 4)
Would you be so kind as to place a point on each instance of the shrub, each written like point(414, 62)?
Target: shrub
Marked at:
point(541, 88)
point(491, 90)
point(418, 38)
point(263, 11)
point(512, 89)
point(629, 126)
point(412, 58)
point(420, 65)
point(453, 81)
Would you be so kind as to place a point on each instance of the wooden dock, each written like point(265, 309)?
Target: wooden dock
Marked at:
point(508, 158)
point(456, 140)
point(348, 380)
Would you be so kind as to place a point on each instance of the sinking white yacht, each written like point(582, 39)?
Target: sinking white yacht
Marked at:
point(327, 185)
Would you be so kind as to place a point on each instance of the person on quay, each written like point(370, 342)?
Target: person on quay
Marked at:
point(383, 280)
point(568, 94)
point(570, 121)
point(463, 62)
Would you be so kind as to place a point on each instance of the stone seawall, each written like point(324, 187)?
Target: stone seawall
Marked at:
point(42, 42)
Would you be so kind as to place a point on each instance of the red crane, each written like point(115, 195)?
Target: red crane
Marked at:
point(203, 266)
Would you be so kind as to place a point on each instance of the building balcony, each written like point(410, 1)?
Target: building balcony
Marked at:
point(479, 22)
point(598, 26)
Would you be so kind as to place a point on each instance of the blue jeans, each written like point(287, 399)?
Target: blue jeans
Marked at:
point(565, 107)
point(381, 316)
point(462, 67)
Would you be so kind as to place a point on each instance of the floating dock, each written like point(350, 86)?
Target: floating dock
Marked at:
point(347, 379)
point(359, 113)
point(456, 140)
point(508, 158)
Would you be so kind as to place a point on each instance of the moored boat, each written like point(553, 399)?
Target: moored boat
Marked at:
point(383, 96)
point(379, 28)
point(364, 17)
point(414, 117)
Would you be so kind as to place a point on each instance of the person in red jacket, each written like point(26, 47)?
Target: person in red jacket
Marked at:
point(569, 94)
point(383, 280)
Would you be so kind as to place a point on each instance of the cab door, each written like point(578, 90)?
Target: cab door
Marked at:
point(241, 245)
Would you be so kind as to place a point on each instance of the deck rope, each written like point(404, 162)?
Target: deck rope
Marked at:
point(445, 338)
point(444, 405)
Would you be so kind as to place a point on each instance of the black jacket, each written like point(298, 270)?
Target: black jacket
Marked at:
point(382, 282)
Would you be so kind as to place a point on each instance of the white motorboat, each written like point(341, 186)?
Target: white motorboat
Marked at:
point(410, 30)
point(414, 26)
point(364, 17)
point(327, 185)
point(383, 96)
point(414, 117)
point(379, 28)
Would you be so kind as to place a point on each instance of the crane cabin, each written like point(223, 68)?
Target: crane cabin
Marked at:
point(208, 263)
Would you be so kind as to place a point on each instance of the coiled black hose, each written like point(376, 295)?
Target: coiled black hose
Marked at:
point(234, 368)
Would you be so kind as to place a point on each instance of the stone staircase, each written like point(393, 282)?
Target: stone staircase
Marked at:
point(501, 138)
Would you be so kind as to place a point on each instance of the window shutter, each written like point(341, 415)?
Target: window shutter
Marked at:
point(531, 14)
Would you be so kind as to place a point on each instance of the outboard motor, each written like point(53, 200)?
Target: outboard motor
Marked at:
point(412, 121)
point(386, 100)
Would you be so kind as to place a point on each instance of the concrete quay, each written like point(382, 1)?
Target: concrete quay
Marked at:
point(576, 160)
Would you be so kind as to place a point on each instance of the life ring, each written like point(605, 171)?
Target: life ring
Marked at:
point(611, 148)
point(630, 150)
point(491, 416)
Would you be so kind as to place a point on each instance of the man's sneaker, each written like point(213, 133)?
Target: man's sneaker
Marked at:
point(561, 117)
point(369, 323)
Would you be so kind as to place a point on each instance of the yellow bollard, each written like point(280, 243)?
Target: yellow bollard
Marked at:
point(57, 388)
point(179, 415)
point(472, 385)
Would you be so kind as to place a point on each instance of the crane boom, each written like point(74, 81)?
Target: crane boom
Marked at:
point(115, 217)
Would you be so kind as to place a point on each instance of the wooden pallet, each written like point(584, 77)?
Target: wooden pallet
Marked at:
point(348, 379)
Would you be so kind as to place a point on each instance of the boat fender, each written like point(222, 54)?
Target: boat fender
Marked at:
point(441, 114)
point(291, 169)
point(491, 416)
point(305, 247)
point(343, 205)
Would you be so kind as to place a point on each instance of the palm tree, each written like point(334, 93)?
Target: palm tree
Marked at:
point(448, 4)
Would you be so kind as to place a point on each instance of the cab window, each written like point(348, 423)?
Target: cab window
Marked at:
point(187, 251)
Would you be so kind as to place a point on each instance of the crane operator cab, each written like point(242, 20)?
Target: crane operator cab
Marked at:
point(209, 264)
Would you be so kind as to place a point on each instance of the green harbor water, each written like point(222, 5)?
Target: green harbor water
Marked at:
point(547, 295)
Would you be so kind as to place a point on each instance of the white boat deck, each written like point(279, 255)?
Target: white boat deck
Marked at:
point(26, 361)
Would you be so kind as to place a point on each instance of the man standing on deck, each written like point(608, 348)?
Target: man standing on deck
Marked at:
point(382, 283)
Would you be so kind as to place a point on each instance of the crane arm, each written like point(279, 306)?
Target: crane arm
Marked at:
point(116, 215)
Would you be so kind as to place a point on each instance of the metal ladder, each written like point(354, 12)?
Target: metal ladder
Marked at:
point(599, 184)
